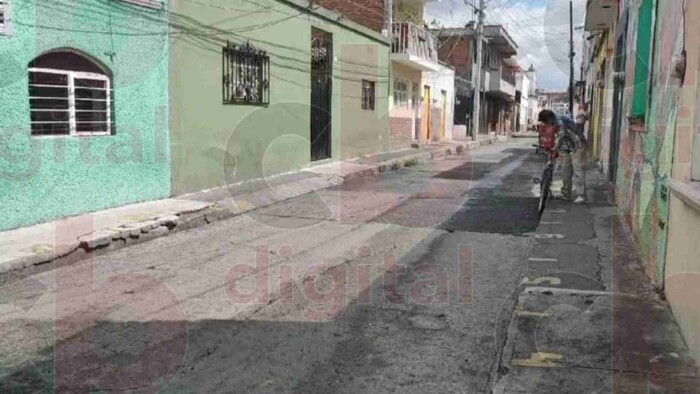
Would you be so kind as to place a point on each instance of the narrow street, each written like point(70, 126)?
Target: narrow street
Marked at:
point(376, 196)
point(420, 280)
point(388, 311)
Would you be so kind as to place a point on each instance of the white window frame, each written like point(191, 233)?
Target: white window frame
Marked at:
point(72, 75)
point(6, 26)
point(406, 93)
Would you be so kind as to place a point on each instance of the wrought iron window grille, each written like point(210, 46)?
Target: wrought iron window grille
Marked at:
point(368, 88)
point(246, 75)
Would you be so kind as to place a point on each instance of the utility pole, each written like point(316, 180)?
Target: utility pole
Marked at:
point(389, 18)
point(571, 59)
point(477, 71)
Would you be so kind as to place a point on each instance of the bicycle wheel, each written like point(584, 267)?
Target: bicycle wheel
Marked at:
point(545, 186)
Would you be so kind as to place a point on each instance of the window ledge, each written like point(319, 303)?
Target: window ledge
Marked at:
point(637, 123)
point(687, 191)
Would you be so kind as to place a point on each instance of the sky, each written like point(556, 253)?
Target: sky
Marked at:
point(539, 27)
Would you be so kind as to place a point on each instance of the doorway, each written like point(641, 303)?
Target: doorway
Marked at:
point(619, 87)
point(425, 127)
point(321, 93)
point(443, 119)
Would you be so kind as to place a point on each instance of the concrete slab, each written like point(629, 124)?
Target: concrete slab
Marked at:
point(32, 245)
point(576, 265)
point(573, 331)
point(344, 170)
point(587, 319)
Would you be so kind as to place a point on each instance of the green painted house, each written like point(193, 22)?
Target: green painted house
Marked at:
point(83, 107)
point(259, 88)
point(105, 103)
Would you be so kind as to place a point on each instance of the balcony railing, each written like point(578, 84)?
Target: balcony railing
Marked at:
point(502, 80)
point(409, 39)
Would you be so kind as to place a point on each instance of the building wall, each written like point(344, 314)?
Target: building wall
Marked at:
point(409, 11)
point(524, 87)
point(44, 178)
point(369, 13)
point(682, 273)
point(215, 144)
point(682, 276)
point(456, 51)
point(605, 119)
point(405, 119)
point(443, 112)
point(597, 104)
point(646, 155)
point(533, 109)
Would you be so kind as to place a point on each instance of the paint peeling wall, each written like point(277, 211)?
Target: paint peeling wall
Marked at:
point(606, 116)
point(215, 144)
point(682, 273)
point(646, 155)
point(42, 179)
point(442, 87)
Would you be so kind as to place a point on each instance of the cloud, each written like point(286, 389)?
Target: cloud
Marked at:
point(539, 27)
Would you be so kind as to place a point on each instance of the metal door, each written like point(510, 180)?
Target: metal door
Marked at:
point(321, 90)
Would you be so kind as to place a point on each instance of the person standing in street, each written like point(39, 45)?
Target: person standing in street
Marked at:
point(574, 170)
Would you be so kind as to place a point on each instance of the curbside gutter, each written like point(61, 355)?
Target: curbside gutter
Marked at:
point(150, 226)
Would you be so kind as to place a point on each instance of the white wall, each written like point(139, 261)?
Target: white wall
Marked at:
point(524, 84)
point(443, 79)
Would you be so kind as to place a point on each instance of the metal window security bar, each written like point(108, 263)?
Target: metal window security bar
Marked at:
point(368, 95)
point(246, 78)
point(5, 18)
point(2, 15)
point(69, 103)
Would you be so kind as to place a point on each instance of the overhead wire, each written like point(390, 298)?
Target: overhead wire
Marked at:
point(214, 37)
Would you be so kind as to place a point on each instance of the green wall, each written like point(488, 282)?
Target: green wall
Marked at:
point(43, 178)
point(215, 144)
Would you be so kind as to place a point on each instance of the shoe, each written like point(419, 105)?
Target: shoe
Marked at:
point(579, 200)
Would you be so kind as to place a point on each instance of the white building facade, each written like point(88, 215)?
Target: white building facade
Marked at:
point(441, 84)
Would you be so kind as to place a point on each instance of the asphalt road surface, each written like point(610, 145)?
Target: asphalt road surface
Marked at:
point(399, 283)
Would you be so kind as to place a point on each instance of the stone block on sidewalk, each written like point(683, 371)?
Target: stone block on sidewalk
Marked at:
point(96, 239)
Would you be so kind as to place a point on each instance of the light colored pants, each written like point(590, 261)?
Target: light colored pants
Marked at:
point(573, 168)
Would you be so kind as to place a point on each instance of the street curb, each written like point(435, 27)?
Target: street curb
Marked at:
point(104, 241)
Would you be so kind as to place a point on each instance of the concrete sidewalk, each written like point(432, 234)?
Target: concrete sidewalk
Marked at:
point(77, 237)
point(586, 317)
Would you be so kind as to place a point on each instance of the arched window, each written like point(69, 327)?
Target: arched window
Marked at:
point(69, 94)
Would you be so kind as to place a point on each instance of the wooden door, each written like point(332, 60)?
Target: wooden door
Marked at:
point(443, 119)
point(425, 128)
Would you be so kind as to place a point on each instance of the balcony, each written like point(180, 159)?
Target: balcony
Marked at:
point(501, 82)
point(414, 47)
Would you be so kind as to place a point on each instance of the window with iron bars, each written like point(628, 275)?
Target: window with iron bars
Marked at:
point(400, 93)
point(246, 75)
point(368, 95)
point(5, 18)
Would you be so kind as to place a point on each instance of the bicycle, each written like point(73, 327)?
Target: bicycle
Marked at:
point(547, 177)
point(566, 144)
